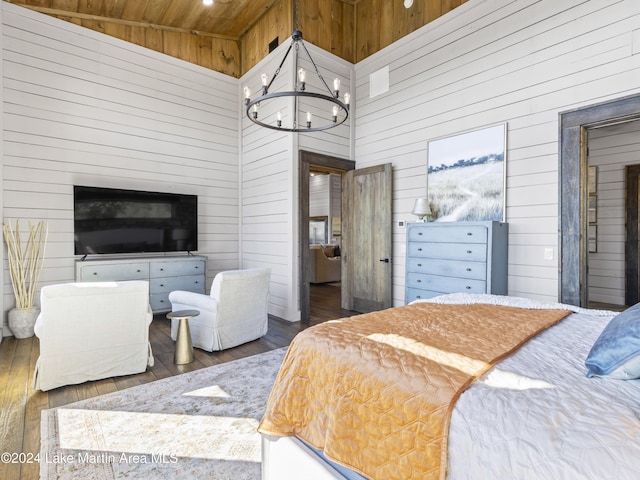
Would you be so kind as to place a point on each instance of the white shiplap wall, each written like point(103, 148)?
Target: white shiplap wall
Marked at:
point(83, 108)
point(2, 250)
point(319, 205)
point(269, 174)
point(80, 107)
point(487, 62)
point(610, 150)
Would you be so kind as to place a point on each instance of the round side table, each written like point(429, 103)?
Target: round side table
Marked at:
point(184, 347)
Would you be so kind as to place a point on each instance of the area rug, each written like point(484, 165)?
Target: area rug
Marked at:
point(196, 425)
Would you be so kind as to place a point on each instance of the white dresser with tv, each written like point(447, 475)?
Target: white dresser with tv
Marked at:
point(164, 274)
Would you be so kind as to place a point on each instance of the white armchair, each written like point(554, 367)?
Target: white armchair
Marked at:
point(234, 313)
point(92, 330)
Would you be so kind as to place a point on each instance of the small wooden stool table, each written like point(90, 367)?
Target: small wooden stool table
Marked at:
point(184, 347)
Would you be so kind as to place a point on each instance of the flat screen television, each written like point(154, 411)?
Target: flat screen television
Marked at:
point(110, 220)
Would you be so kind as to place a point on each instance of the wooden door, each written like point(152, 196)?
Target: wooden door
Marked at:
point(367, 239)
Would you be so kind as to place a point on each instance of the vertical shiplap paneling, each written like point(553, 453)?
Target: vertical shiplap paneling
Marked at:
point(611, 149)
point(85, 108)
point(487, 62)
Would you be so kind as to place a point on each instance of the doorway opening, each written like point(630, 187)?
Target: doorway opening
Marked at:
point(583, 231)
point(320, 230)
point(613, 171)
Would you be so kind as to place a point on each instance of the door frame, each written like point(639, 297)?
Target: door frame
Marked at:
point(306, 160)
point(572, 201)
point(631, 268)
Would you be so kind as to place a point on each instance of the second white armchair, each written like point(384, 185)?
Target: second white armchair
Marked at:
point(235, 312)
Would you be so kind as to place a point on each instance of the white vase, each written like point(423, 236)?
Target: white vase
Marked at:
point(22, 320)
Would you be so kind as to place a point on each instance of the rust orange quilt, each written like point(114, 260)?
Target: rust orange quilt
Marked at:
point(375, 392)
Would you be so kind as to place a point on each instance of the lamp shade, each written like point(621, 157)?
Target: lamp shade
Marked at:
point(421, 208)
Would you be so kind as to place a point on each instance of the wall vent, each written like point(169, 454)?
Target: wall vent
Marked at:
point(273, 44)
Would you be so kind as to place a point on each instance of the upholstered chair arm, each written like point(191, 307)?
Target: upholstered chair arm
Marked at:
point(149, 315)
point(39, 326)
point(194, 300)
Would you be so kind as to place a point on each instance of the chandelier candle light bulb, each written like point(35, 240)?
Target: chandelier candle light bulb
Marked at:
point(279, 118)
point(336, 87)
point(302, 75)
point(308, 119)
point(334, 117)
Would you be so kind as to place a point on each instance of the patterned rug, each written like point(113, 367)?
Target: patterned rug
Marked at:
point(200, 424)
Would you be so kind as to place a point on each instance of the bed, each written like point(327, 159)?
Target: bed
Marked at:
point(526, 407)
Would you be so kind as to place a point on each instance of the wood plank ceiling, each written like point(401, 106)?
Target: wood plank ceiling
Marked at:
point(231, 36)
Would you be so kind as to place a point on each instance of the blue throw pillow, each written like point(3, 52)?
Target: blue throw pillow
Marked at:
point(616, 352)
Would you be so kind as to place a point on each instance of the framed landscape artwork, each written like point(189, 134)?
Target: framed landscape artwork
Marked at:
point(466, 175)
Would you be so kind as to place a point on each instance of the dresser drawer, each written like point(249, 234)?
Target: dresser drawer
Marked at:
point(160, 302)
point(164, 274)
point(180, 268)
point(475, 252)
point(448, 233)
point(417, 294)
point(445, 284)
point(191, 283)
point(114, 272)
point(450, 268)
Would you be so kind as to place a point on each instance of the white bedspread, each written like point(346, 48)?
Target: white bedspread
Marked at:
point(537, 416)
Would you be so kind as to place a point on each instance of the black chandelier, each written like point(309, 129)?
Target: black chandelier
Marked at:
point(338, 109)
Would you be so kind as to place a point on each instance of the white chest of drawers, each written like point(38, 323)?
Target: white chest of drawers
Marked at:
point(164, 275)
point(452, 257)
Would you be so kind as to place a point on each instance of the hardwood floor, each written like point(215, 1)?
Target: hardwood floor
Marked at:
point(20, 404)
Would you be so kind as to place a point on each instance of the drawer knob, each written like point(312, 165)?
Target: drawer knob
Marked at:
point(418, 296)
point(469, 233)
point(469, 251)
point(419, 233)
point(468, 269)
point(162, 284)
point(162, 269)
point(196, 267)
point(419, 249)
point(95, 273)
point(138, 270)
point(419, 264)
point(419, 281)
point(468, 287)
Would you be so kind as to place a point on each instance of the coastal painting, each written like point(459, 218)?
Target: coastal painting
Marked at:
point(466, 176)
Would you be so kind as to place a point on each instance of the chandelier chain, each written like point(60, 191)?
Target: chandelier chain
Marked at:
point(316, 68)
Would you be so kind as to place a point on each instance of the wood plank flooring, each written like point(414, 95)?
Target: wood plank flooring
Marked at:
point(20, 404)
